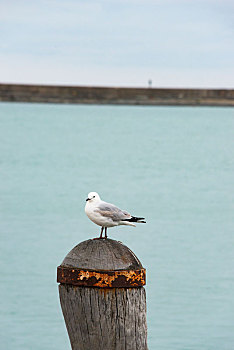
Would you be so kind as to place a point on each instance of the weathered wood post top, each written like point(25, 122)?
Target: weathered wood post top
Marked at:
point(102, 296)
point(102, 263)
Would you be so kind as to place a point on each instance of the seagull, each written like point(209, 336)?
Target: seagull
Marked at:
point(107, 215)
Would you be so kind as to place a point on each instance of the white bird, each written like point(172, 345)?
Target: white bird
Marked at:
point(107, 215)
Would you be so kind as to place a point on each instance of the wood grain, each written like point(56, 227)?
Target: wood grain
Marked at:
point(113, 319)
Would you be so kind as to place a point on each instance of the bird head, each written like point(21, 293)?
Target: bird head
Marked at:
point(93, 197)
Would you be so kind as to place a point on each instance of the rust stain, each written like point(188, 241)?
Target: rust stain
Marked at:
point(101, 279)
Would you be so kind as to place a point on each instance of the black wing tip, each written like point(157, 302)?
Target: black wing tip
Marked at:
point(136, 219)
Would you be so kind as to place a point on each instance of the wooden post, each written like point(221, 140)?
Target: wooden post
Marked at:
point(102, 297)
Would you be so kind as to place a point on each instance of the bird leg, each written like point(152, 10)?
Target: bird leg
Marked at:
point(101, 232)
point(105, 232)
point(100, 237)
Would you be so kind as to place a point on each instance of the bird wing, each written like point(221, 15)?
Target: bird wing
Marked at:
point(111, 211)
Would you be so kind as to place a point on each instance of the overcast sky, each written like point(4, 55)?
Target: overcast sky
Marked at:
point(175, 43)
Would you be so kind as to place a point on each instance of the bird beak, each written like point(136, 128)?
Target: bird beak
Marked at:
point(87, 200)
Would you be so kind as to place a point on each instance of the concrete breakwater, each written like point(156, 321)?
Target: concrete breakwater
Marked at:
point(118, 96)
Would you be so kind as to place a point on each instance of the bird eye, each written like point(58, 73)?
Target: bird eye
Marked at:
point(93, 196)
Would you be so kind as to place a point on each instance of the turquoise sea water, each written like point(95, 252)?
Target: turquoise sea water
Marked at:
point(172, 165)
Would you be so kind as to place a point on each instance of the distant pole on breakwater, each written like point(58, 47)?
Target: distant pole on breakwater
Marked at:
point(102, 297)
point(116, 96)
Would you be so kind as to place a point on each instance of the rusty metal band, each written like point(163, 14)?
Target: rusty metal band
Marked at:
point(101, 279)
